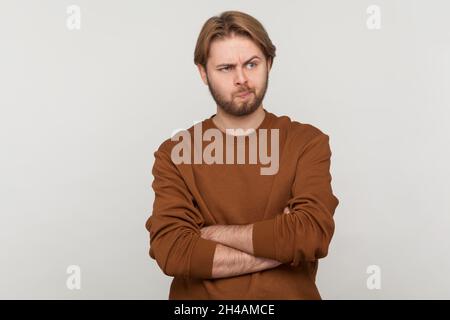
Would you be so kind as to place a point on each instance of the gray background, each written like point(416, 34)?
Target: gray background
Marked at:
point(83, 111)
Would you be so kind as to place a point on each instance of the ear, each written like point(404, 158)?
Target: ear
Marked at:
point(269, 64)
point(202, 72)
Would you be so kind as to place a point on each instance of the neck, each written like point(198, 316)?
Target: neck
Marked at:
point(225, 121)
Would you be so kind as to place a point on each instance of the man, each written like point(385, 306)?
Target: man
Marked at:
point(228, 229)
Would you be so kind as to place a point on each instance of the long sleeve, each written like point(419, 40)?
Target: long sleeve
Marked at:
point(175, 223)
point(305, 233)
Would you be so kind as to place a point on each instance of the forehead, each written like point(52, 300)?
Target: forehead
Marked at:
point(234, 49)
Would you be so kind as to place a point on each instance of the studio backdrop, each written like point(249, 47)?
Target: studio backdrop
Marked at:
point(90, 89)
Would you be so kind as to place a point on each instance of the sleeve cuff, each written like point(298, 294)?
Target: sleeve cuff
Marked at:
point(202, 259)
point(263, 239)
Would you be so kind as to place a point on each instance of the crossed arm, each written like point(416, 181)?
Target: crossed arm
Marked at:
point(183, 249)
point(234, 251)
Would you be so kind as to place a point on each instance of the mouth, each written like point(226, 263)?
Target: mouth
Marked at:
point(244, 94)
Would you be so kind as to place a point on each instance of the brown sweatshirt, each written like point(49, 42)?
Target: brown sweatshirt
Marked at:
point(189, 196)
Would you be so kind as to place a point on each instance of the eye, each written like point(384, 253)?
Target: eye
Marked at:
point(255, 64)
point(225, 68)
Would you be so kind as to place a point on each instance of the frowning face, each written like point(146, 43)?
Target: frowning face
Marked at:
point(237, 75)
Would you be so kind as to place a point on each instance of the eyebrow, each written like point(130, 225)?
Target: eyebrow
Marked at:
point(233, 65)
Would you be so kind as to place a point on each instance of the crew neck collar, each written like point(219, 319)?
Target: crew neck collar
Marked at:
point(263, 125)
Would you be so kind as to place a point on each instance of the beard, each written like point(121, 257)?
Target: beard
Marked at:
point(239, 108)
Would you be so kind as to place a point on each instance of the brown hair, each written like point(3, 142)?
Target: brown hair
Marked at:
point(230, 23)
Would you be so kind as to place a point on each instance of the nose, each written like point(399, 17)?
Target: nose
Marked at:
point(240, 77)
